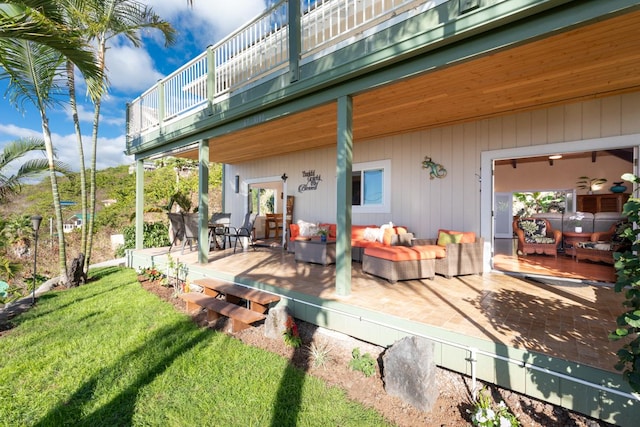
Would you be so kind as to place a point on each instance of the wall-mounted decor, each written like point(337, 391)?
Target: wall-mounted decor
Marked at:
point(312, 181)
point(436, 170)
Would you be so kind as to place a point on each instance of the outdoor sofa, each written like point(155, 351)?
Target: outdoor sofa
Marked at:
point(397, 255)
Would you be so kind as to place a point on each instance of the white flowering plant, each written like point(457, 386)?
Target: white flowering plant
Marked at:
point(576, 219)
point(485, 414)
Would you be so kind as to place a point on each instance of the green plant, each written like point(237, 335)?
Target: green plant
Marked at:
point(485, 414)
point(591, 184)
point(627, 267)
point(364, 363)
point(291, 334)
point(150, 273)
point(320, 353)
point(322, 231)
point(155, 235)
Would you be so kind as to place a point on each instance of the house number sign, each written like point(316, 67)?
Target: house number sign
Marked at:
point(312, 181)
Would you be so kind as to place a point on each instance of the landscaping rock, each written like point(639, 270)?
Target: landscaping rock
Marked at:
point(274, 324)
point(410, 372)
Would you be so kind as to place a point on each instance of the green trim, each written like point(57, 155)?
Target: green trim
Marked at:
point(139, 203)
point(203, 201)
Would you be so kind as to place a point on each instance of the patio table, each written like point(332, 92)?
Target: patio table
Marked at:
point(316, 251)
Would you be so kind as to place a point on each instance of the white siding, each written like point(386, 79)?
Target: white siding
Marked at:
point(422, 204)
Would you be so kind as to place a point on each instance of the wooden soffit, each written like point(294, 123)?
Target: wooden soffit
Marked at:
point(597, 60)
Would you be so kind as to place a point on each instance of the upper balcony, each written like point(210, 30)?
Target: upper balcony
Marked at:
point(264, 49)
point(301, 55)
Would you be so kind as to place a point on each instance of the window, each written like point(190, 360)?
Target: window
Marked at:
point(371, 187)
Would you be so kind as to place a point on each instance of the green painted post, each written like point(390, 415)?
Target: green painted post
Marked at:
point(139, 204)
point(344, 171)
point(203, 203)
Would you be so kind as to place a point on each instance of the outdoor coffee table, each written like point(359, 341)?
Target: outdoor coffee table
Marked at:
point(316, 251)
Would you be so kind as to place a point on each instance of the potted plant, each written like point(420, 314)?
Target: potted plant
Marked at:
point(323, 233)
point(590, 184)
point(576, 221)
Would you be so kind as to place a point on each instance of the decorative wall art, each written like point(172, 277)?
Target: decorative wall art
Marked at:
point(312, 181)
point(436, 170)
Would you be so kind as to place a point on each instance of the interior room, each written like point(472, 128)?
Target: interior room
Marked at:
point(561, 175)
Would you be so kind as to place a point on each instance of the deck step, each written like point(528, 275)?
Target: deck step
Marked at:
point(259, 300)
point(241, 317)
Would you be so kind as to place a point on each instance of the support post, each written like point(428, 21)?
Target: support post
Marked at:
point(139, 204)
point(203, 203)
point(344, 191)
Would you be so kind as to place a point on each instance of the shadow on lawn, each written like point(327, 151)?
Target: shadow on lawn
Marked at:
point(120, 410)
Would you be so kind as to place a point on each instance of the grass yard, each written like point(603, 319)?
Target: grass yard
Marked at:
point(110, 353)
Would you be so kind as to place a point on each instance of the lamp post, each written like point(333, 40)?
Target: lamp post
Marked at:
point(35, 223)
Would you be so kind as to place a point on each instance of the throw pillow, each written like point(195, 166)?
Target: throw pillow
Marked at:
point(533, 227)
point(446, 238)
point(307, 229)
point(371, 234)
point(404, 239)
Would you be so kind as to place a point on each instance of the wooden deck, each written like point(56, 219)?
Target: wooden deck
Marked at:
point(565, 319)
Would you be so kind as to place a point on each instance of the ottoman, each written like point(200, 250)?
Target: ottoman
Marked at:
point(401, 262)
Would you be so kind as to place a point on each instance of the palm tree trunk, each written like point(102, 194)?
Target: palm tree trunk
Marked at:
point(94, 153)
point(62, 251)
point(83, 176)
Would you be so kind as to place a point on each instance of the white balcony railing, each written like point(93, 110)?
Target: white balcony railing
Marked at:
point(259, 49)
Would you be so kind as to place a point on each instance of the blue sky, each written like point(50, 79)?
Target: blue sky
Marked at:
point(131, 71)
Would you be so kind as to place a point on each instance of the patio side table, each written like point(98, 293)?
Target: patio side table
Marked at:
point(316, 251)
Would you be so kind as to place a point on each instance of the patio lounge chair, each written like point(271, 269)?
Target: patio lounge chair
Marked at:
point(245, 231)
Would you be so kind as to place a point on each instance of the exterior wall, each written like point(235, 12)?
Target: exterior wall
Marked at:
point(422, 204)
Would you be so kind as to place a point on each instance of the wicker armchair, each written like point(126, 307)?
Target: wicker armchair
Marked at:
point(535, 236)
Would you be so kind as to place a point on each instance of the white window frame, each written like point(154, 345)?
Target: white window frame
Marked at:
point(385, 206)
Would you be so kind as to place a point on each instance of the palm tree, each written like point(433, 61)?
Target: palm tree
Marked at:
point(40, 21)
point(108, 19)
point(9, 157)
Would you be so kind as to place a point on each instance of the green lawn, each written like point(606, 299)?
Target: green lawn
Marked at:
point(109, 353)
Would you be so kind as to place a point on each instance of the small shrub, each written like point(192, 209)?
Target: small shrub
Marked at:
point(291, 334)
point(320, 353)
point(486, 415)
point(364, 363)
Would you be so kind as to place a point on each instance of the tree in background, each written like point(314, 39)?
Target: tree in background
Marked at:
point(29, 169)
point(104, 20)
point(35, 76)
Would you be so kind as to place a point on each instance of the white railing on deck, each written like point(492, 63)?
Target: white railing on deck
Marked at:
point(186, 88)
point(327, 20)
point(256, 50)
point(259, 47)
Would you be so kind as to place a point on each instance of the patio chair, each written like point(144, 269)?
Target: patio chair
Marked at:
point(245, 231)
point(176, 232)
point(218, 227)
point(190, 230)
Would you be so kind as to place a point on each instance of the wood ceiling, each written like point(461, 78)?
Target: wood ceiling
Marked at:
point(594, 61)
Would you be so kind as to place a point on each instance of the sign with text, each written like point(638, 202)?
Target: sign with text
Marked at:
point(312, 181)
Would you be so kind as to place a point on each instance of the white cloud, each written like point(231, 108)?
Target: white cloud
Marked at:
point(110, 150)
point(208, 20)
point(130, 68)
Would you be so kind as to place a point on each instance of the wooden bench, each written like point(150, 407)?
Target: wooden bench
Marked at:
point(241, 318)
point(258, 300)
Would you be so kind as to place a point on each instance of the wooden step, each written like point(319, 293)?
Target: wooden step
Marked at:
point(241, 318)
point(258, 300)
